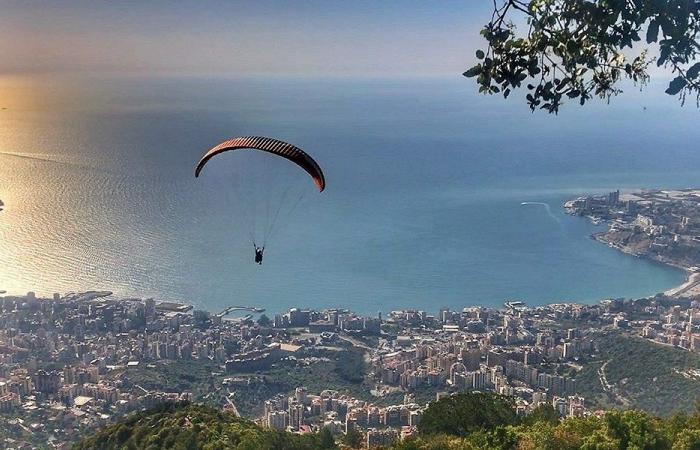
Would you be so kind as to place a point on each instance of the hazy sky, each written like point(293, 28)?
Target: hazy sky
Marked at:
point(280, 37)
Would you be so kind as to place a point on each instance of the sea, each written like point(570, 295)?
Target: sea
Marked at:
point(426, 181)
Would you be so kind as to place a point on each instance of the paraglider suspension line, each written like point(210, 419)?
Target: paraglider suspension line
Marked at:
point(274, 218)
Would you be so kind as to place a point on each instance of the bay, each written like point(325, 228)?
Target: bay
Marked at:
point(422, 210)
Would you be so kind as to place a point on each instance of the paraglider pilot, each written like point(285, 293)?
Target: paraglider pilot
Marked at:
point(259, 254)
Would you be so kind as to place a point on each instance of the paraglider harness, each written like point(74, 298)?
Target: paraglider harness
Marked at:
point(259, 254)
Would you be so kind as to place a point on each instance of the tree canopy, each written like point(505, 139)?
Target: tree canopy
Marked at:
point(467, 421)
point(184, 426)
point(579, 49)
point(465, 413)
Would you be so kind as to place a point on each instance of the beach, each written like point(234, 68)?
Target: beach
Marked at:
point(690, 288)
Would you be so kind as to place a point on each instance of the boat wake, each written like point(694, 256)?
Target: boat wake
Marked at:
point(36, 158)
point(51, 159)
point(546, 207)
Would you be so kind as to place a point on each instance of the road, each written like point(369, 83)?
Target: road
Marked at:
point(354, 342)
point(233, 406)
point(610, 389)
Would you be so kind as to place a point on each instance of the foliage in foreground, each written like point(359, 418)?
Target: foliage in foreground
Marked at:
point(614, 430)
point(486, 421)
point(577, 49)
point(481, 421)
point(195, 427)
point(463, 414)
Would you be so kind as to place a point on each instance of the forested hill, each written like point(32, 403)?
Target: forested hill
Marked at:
point(187, 426)
point(463, 422)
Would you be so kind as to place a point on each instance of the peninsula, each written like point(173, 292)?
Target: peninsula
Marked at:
point(661, 225)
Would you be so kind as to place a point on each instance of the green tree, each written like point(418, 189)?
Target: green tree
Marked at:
point(634, 429)
point(578, 49)
point(264, 321)
point(687, 440)
point(543, 413)
point(462, 414)
point(326, 439)
point(438, 442)
point(193, 427)
point(353, 438)
point(351, 365)
point(542, 436)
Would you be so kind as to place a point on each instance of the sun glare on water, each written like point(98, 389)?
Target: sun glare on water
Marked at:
point(22, 177)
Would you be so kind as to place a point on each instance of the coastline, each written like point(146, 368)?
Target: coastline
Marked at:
point(690, 287)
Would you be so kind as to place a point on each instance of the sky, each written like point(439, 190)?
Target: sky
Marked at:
point(228, 38)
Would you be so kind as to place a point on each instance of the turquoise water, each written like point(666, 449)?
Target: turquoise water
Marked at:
point(423, 206)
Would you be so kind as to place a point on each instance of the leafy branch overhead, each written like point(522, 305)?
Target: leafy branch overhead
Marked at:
point(578, 49)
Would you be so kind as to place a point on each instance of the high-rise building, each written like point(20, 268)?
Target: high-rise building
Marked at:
point(277, 420)
point(150, 311)
point(47, 382)
point(296, 415)
point(381, 438)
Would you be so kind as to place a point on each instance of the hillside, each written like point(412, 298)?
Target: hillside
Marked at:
point(193, 427)
point(645, 375)
point(463, 422)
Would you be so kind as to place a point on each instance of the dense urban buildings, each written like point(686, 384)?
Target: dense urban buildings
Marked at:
point(71, 363)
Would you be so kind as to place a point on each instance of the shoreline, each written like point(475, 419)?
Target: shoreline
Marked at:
point(655, 224)
point(691, 285)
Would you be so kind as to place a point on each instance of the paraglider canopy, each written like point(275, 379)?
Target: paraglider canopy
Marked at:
point(274, 146)
point(263, 198)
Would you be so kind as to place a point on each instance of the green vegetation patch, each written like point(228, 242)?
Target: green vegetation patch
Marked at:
point(463, 414)
point(174, 376)
point(193, 427)
point(588, 385)
point(351, 366)
point(467, 421)
point(657, 378)
point(344, 371)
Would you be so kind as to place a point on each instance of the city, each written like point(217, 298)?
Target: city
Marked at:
point(73, 363)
